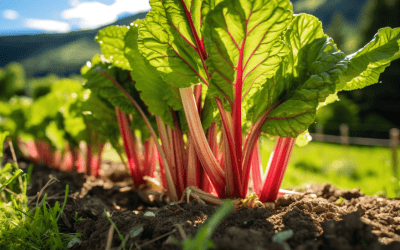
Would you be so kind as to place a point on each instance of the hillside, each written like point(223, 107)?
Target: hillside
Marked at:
point(62, 54)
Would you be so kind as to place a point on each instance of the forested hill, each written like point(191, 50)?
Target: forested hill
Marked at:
point(62, 54)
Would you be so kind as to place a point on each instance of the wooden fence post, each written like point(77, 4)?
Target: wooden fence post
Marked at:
point(319, 129)
point(344, 134)
point(394, 143)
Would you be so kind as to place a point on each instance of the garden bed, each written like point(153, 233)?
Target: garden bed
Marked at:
point(359, 222)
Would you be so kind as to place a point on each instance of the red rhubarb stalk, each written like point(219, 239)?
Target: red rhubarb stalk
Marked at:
point(276, 168)
point(95, 162)
point(75, 158)
point(249, 147)
point(206, 156)
point(232, 164)
point(180, 157)
point(32, 150)
point(256, 170)
point(89, 154)
point(171, 186)
point(44, 151)
point(128, 141)
point(151, 157)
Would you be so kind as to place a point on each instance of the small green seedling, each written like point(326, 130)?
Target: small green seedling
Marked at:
point(340, 200)
point(202, 240)
point(76, 217)
point(119, 234)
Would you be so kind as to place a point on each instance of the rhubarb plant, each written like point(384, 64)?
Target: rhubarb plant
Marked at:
point(107, 77)
point(140, 149)
point(217, 74)
point(50, 129)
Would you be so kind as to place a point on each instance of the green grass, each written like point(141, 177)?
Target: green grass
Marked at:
point(22, 226)
point(346, 167)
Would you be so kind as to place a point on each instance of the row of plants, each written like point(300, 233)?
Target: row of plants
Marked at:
point(53, 124)
point(208, 77)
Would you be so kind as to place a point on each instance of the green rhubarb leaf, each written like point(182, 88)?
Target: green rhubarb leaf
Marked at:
point(55, 135)
point(56, 101)
point(14, 115)
point(158, 95)
point(74, 122)
point(365, 66)
point(104, 87)
point(100, 119)
point(113, 96)
point(170, 39)
point(242, 39)
point(112, 44)
point(45, 107)
point(307, 76)
point(207, 6)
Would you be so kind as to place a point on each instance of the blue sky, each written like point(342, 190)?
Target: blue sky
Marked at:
point(37, 16)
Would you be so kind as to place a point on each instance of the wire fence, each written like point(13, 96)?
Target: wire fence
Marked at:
point(345, 139)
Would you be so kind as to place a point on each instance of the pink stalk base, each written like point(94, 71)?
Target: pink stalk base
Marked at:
point(93, 161)
point(276, 168)
point(130, 151)
point(45, 152)
point(32, 151)
point(256, 169)
point(71, 160)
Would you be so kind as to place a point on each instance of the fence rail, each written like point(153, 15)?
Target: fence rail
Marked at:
point(344, 139)
point(351, 140)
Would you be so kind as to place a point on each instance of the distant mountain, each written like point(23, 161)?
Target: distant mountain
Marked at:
point(62, 54)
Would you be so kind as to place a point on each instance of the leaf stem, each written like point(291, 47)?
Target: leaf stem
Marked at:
point(276, 168)
point(170, 182)
point(204, 152)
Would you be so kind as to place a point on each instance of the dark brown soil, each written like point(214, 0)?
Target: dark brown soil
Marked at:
point(297, 222)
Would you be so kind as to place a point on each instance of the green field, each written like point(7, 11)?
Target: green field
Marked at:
point(346, 167)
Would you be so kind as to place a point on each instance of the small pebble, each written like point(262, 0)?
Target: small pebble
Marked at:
point(149, 214)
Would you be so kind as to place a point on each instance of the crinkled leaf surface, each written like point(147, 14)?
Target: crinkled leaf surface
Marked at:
point(307, 77)
point(158, 95)
point(106, 90)
point(112, 44)
point(366, 65)
point(171, 40)
point(242, 39)
point(49, 105)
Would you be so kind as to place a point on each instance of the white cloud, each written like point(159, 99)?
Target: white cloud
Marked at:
point(47, 25)
point(92, 15)
point(73, 3)
point(10, 14)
